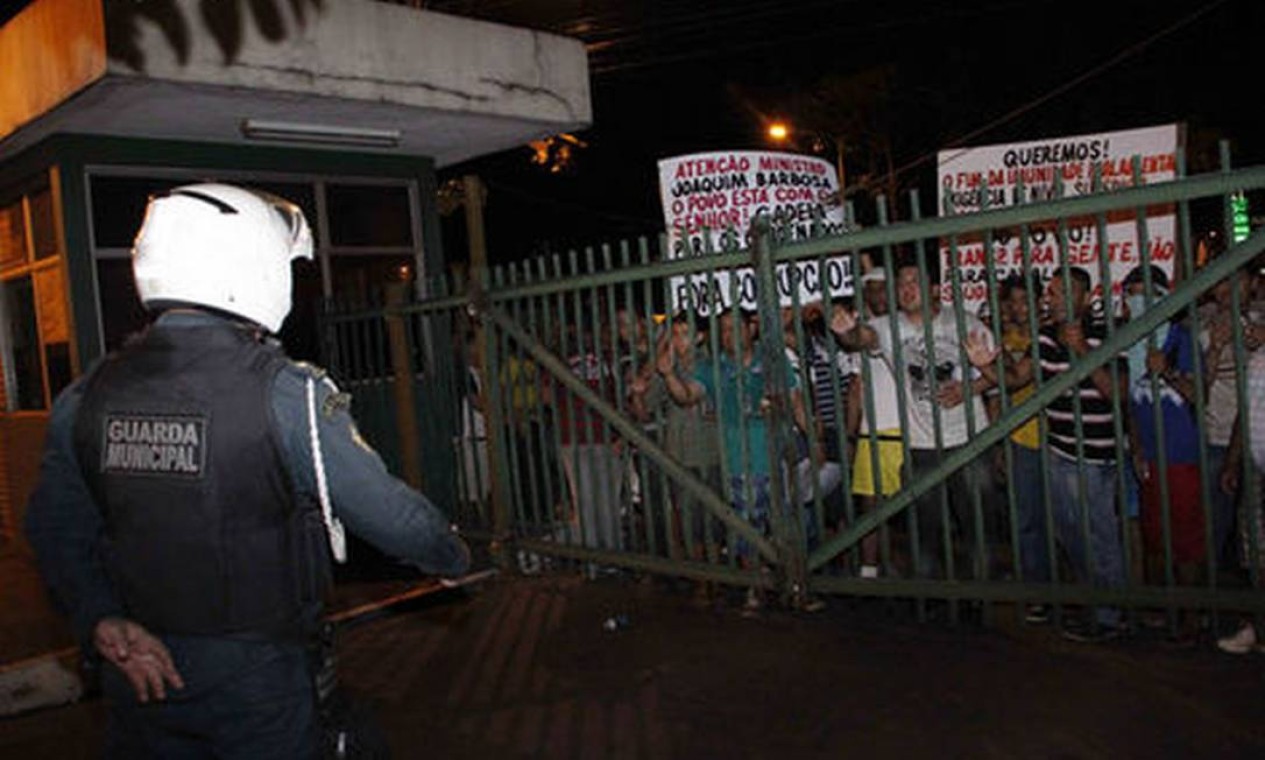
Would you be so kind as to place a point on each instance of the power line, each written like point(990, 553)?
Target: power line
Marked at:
point(675, 25)
point(1015, 113)
point(823, 28)
point(618, 46)
point(712, 19)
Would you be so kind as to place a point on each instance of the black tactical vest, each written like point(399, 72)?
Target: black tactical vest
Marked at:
point(203, 532)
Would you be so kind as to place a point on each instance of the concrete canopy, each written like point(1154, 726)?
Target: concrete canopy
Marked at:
point(422, 83)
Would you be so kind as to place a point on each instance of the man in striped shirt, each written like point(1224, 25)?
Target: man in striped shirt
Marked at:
point(1083, 469)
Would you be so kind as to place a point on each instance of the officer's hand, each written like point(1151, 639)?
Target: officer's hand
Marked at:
point(140, 655)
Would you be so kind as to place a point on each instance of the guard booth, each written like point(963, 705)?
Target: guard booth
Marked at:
point(346, 108)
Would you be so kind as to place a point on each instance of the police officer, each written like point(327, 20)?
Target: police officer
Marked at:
point(194, 485)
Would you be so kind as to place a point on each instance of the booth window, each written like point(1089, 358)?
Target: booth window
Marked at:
point(35, 357)
point(118, 207)
point(12, 234)
point(369, 216)
point(43, 224)
point(24, 344)
point(364, 231)
point(121, 312)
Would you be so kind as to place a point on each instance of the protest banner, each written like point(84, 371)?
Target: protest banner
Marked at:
point(994, 176)
point(709, 203)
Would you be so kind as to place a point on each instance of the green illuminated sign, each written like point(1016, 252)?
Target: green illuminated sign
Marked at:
point(1240, 225)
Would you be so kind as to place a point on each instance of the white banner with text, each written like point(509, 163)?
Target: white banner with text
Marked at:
point(709, 202)
point(995, 176)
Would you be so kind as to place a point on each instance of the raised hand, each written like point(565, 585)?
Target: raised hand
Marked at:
point(842, 322)
point(665, 362)
point(980, 350)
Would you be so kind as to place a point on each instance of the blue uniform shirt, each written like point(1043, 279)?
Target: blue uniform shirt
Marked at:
point(64, 524)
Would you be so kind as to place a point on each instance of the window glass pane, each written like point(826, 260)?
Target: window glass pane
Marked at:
point(57, 358)
point(362, 280)
point(51, 296)
point(12, 234)
point(19, 309)
point(362, 350)
point(118, 207)
point(118, 204)
point(301, 194)
point(43, 223)
point(121, 310)
point(122, 314)
point(298, 333)
point(363, 215)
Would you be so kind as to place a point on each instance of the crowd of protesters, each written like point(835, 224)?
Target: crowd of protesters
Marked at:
point(1116, 479)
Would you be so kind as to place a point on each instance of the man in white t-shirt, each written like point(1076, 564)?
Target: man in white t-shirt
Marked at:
point(934, 363)
point(1252, 512)
point(872, 416)
point(1221, 378)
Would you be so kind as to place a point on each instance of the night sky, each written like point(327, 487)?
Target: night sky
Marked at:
point(673, 78)
point(684, 76)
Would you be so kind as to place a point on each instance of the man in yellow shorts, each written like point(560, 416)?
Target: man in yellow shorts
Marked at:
point(874, 392)
point(890, 459)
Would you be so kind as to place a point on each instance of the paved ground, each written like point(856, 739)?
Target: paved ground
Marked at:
point(526, 668)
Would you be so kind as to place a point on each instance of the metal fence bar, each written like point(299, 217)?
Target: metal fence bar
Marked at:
point(1199, 186)
point(771, 350)
point(699, 489)
point(1189, 597)
point(1218, 269)
point(594, 295)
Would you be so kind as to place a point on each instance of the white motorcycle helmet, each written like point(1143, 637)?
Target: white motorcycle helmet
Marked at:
point(221, 246)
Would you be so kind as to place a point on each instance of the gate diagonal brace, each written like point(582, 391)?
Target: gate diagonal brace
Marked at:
point(1133, 331)
point(719, 508)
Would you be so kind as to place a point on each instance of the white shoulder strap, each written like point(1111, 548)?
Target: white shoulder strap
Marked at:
point(333, 526)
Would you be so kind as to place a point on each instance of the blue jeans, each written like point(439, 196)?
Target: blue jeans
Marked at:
point(242, 699)
point(1030, 513)
point(595, 477)
point(1224, 512)
point(1102, 561)
point(752, 499)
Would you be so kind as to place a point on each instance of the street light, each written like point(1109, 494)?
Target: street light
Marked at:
point(780, 132)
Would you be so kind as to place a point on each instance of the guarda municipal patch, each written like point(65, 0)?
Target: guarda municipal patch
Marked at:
point(154, 445)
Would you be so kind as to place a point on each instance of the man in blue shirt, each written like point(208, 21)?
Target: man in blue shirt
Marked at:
point(735, 384)
point(1162, 384)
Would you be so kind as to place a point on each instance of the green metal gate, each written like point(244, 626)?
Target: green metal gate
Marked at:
point(530, 389)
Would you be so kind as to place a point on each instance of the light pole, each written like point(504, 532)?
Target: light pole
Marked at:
point(780, 132)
